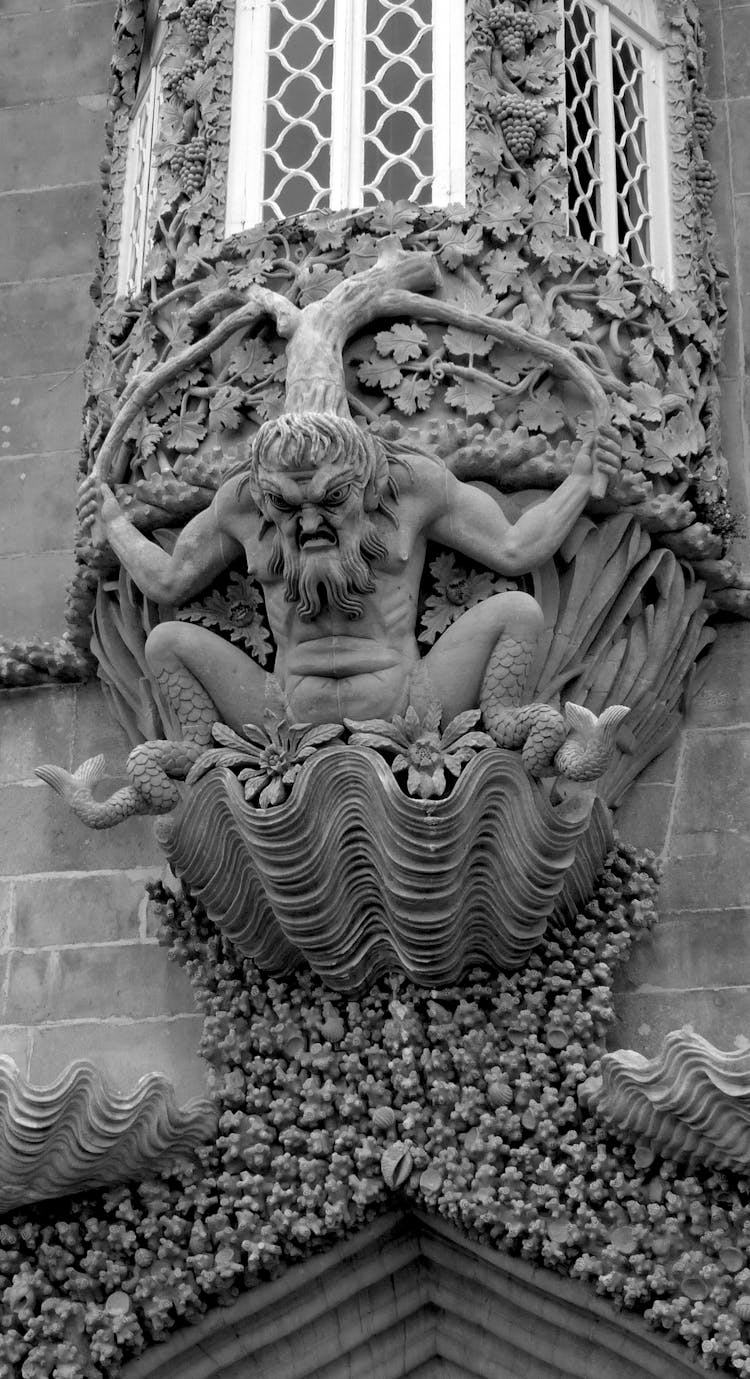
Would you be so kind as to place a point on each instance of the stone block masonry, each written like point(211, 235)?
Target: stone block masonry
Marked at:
point(81, 973)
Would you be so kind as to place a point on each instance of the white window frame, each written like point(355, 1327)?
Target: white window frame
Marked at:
point(638, 21)
point(140, 183)
point(249, 87)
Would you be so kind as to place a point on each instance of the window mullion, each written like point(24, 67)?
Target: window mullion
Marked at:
point(249, 88)
point(448, 104)
point(607, 155)
point(347, 99)
point(659, 190)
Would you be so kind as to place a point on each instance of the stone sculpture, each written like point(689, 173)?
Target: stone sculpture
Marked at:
point(691, 1102)
point(333, 525)
point(80, 1133)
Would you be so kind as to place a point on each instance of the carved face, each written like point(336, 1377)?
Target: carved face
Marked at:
point(325, 540)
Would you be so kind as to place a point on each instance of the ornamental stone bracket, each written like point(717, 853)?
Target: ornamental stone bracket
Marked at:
point(79, 1132)
point(690, 1103)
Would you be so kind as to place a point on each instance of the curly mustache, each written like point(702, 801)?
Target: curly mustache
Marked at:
point(334, 579)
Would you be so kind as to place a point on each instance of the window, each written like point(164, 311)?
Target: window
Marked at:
point(343, 103)
point(618, 188)
point(139, 189)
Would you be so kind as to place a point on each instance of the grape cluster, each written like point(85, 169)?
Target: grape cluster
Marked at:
point(513, 29)
point(196, 21)
point(521, 120)
point(188, 163)
point(705, 183)
point(704, 119)
point(174, 81)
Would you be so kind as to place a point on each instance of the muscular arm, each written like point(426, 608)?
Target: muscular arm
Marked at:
point(470, 521)
point(201, 552)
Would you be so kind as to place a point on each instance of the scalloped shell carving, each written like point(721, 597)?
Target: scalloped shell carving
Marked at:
point(79, 1133)
point(690, 1102)
point(359, 879)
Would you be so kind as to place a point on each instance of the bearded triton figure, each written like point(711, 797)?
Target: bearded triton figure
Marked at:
point(334, 525)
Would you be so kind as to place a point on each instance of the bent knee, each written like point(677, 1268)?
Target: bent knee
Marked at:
point(168, 642)
point(517, 612)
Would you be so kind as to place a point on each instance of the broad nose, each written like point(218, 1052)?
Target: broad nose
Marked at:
point(309, 520)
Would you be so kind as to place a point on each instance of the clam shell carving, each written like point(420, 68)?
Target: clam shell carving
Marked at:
point(79, 1133)
point(690, 1102)
point(360, 880)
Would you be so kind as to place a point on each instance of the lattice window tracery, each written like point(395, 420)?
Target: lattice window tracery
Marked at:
point(139, 193)
point(618, 188)
point(340, 103)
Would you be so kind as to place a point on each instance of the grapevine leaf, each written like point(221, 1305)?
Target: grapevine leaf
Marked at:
point(393, 217)
point(186, 433)
point(485, 152)
point(413, 394)
point(659, 334)
point(506, 214)
point(641, 362)
point(253, 272)
point(402, 342)
point(379, 373)
point(542, 414)
point(474, 398)
point(316, 281)
point(226, 410)
point(251, 360)
point(457, 244)
point(511, 366)
point(647, 400)
point(466, 342)
point(574, 320)
point(552, 248)
point(613, 298)
point(502, 269)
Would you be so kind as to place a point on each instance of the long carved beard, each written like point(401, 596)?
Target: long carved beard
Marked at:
point(329, 579)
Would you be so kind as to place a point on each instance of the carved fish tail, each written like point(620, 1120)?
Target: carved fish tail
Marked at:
point(537, 728)
point(192, 705)
point(153, 768)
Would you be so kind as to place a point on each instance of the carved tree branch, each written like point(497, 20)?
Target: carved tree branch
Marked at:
point(315, 367)
point(109, 463)
point(559, 358)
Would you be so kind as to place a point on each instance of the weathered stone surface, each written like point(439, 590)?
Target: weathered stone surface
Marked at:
point(736, 48)
point(643, 818)
point(32, 723)
point(34, 605)
point(134, 980)
point(35, 154)
point(709, 848)
point(708, 949)
point(40, 414)
point(39, 836)
point(645, 1018)
point(52, 322)
point(15, 1043)
point(50, 233)
point(739, 122)
point(80, 1133)
point(123, 1051)
point(37, 503)
point(724, 698)
point(100, 907)
point(54, 53)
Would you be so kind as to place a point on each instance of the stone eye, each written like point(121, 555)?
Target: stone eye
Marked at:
point(276, 501)
point(337, 495)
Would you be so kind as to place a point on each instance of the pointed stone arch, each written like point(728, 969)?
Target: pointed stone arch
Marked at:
point(410, 1297)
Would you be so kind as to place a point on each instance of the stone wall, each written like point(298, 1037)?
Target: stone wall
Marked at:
point(81, 975)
